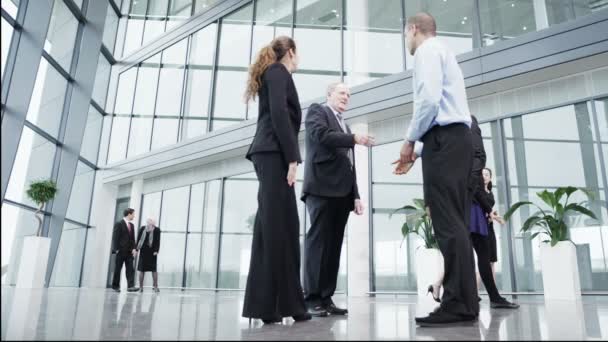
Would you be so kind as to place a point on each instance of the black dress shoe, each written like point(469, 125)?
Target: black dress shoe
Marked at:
point(133, 289)
point(116, 289)
point(318, 311)
point(440, 318)
point(272, 320)
point(303, 317)
point(332, 309)
point(503, 304)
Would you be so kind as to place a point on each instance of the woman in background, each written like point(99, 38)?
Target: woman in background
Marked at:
point(148, 245)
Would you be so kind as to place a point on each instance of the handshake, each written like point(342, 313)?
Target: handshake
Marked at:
point(364, 139)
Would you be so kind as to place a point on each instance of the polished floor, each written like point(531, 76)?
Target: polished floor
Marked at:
point(99, 314)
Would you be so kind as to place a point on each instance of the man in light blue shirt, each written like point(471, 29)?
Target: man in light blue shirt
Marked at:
point(441, 121)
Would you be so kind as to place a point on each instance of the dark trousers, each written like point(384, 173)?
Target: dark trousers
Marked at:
point(481, 244)
point(273, 284)
point(126, 258)
point(446, 166)
point(328, 217)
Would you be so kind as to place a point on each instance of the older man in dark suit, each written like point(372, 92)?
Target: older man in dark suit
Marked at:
point(330, 192)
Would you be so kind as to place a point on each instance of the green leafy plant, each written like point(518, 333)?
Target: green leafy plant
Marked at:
point(41, 192)
point(417, 221)
point(552, 221)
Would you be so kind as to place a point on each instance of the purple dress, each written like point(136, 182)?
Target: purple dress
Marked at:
point(479, 222)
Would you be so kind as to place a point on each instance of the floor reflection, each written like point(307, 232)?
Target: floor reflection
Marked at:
point(99, 314)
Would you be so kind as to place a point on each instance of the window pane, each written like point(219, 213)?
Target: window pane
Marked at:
point(234, 261)
point(195, 215)
point(174, 216)
point(150, 207)
point(203, 5)
point(7, 36)
point(392, 269)
point(240, 206)
point(273, 19)
point(100, 89)
point(11, 7)
point(235, 39)
point(34, 161)
point(453, 23)
point(68, 261)
point(145, 91)
point(212, 206)
point(158, 8)
point(169, 97)
point(119, 138)
point(229, 91)
point(179, 11)
point(61, 36)
point(203, 46)
point(175, 55)
point(153, 29)
point(135, 30)
point(384, 155)
point(201, 260)
point(110, 28)
point(317, 33)
point(92, 134)
point(197, 93)
point(373, 40)
point(139, 138)
point(16, 224)
point(165, 132)
point(46, 104)
point(124, 94)
point(138, 7)
point(171, 259)
point(501, 20)
point(313, 86)
point(80, 197)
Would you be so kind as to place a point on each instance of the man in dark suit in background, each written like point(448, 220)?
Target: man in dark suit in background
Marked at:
point(330, 192)
point(123, 245)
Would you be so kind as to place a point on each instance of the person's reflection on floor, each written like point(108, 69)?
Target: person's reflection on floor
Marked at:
point(141, 327)
point(117, 318)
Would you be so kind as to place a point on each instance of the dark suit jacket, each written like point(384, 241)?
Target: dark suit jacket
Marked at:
point(479, 163)
point(279, 116)
point(122, 241)
point(155, 241)
point(327, 171)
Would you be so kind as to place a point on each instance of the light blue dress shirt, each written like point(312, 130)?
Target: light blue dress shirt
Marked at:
point(439, 91)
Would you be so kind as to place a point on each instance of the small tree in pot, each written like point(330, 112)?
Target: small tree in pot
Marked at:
point(429, 260)
point(41, 192)
point(558, 258)
point(417, 221)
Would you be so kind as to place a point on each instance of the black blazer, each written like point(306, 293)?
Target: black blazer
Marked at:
point(155, 241)
point(327, 171)
point(479, 163)
point(122, 241)
point(279, 116)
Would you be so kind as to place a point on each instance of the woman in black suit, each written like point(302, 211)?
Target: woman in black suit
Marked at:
point(148, 245)
point(273, 285)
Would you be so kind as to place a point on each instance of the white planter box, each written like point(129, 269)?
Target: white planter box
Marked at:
point(34, 261)
point(429, 266)
point(560, 271)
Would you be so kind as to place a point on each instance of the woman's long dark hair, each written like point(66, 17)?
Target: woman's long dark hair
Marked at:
point(490, 183)
point(271, 53)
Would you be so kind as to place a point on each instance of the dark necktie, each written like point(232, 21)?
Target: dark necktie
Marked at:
point(343, 126)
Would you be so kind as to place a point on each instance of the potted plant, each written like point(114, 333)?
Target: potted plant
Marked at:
point(35, 251)
point(557, 252)
point(429, 260)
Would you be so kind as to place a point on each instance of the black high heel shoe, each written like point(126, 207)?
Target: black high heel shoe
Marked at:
point(272, 320)
point(431, 290)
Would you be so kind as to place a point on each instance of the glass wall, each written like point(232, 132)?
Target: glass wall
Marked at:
point(352, 41)
point(563, 146)
point(207, 230)
point(42, 141)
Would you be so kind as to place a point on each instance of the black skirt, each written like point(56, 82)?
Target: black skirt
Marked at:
point(147, 259)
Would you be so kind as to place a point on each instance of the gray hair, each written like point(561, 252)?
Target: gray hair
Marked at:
point(332, 87)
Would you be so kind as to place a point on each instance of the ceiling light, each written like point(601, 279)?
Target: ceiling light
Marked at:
point(465, 18)
point(512, 5)
point(525, 28)
point(463, 22)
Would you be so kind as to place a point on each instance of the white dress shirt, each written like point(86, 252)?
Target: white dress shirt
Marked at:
point(439, 91)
